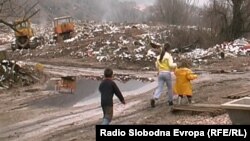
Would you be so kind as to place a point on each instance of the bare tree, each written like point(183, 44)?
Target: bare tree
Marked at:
point(174, 11)
point(13, 9)
point(229, 19)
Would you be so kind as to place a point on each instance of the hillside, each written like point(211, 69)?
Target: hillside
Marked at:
point(87, 10)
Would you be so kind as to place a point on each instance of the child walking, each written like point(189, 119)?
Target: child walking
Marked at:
point(107, 89)
point(164, 65)
point(183, 86)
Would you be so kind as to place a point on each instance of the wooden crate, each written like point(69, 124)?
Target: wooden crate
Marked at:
point(67, 82)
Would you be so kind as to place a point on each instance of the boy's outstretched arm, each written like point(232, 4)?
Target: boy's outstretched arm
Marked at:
point(118, 93)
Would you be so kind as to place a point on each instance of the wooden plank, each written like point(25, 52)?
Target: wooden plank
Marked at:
point(197, 107)
point(206, 105)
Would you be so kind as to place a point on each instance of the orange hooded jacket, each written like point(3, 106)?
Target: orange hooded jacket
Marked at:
point(183, 84)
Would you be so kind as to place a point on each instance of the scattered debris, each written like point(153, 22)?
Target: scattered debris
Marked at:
point(12, 74)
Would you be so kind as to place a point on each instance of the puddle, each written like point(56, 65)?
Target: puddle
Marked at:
point(85, 91)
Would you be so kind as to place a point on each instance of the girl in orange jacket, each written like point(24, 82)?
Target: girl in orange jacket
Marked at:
point(183, 86)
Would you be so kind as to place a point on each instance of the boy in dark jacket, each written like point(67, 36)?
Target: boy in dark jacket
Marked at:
point(107, 89)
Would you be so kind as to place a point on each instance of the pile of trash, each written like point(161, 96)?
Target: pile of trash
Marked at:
point(6, 38)
point(121, 45)
point(104, 42)
point(239, 47)
point(16, 74)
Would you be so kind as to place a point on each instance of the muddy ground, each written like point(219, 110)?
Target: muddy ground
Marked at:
point(23, 119)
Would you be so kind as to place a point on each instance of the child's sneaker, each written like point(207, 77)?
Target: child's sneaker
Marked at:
point(152, 102)
point(190, 101)
point(170, 103)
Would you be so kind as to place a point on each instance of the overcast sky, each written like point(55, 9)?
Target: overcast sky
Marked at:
point(151, 2)
point(144, 2)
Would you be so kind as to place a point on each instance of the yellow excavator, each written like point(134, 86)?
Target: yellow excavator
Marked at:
point(63, 27)
point(24, 36)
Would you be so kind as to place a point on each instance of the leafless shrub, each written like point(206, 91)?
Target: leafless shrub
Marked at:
point(16, 9)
